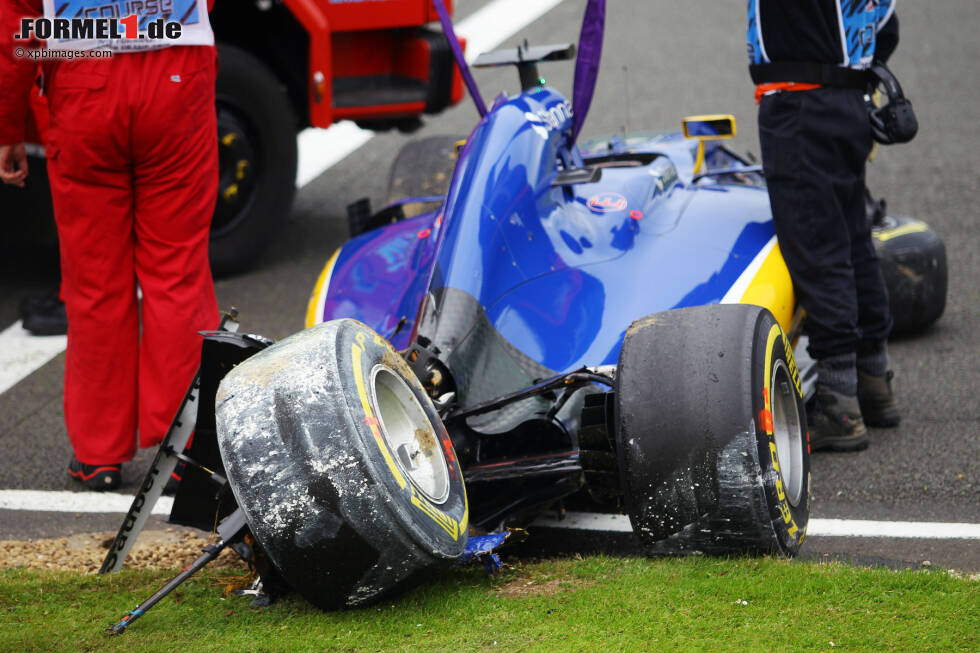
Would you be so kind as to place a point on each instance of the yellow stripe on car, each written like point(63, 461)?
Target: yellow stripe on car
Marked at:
point(314, 313)
point(772, 288)
point(765, 282)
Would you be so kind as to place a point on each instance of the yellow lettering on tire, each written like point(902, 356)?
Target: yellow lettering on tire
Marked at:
point(447, 523)
point(791, 362)
point(784, 509)
point(782, 503)
point(772, 455)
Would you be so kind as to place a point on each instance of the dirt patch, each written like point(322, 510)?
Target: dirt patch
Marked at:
point(168, 549)
point(427, 442)
point(522, 588)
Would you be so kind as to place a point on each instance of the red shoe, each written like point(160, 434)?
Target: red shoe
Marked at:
point(96, 477)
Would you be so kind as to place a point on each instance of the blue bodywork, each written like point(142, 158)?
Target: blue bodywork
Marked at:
point(558, 271)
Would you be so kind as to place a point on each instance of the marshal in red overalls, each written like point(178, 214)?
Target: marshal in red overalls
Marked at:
point(132, 161)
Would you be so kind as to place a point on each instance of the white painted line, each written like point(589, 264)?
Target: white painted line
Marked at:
point(319, 150)
point(486, 28)
point(21, 353)
point(587, 521)
point(108, 502)
point(817, 527)
point(75, 502)
point(911, 529)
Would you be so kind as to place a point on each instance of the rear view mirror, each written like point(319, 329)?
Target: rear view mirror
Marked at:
point(706, 128)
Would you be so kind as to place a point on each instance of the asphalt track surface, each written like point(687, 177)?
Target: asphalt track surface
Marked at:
point(662, 60)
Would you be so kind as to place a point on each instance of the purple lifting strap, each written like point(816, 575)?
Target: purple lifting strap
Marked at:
point(587, 63)
point(464, 69)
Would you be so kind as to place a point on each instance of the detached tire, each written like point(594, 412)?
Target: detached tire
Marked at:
point(710, 433)
point(257, 155)
point(913, 261)
point(344, 470)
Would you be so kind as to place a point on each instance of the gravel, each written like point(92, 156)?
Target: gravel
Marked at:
point(172, 548)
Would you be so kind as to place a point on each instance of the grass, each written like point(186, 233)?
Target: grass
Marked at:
point(592, 604)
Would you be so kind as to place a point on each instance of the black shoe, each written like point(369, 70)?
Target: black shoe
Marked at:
point(44, 315)
point(31, 303)
point(877, 402)
point(834, 421)
point(96, 477)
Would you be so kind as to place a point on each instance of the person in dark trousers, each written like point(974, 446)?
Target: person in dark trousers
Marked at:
point(44, 315)
point(133, 164)
point(810, 60)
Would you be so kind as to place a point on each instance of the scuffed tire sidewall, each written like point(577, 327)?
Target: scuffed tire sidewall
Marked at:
point(789, 522)
point(439, 529)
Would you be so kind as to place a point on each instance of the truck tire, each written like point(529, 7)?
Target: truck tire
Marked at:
point(423, 168)
point(913, 261)
point(710, 433)
point(344, 471)
point(257, 158)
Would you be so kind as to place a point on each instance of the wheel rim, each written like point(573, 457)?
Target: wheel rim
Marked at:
point(787, 429)
point(408, 432)
point(239, 166)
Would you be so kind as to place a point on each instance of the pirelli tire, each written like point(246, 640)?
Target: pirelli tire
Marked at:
point(346, 474)
point(710, 432)
point(913, 262)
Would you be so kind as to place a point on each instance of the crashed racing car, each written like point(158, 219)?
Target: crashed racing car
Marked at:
point(609, 322)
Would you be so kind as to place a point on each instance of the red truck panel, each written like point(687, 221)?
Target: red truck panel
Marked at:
point(362, 53)
point(379, 14)
point(372, 53)
point(325, 21)
point(311, 16)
